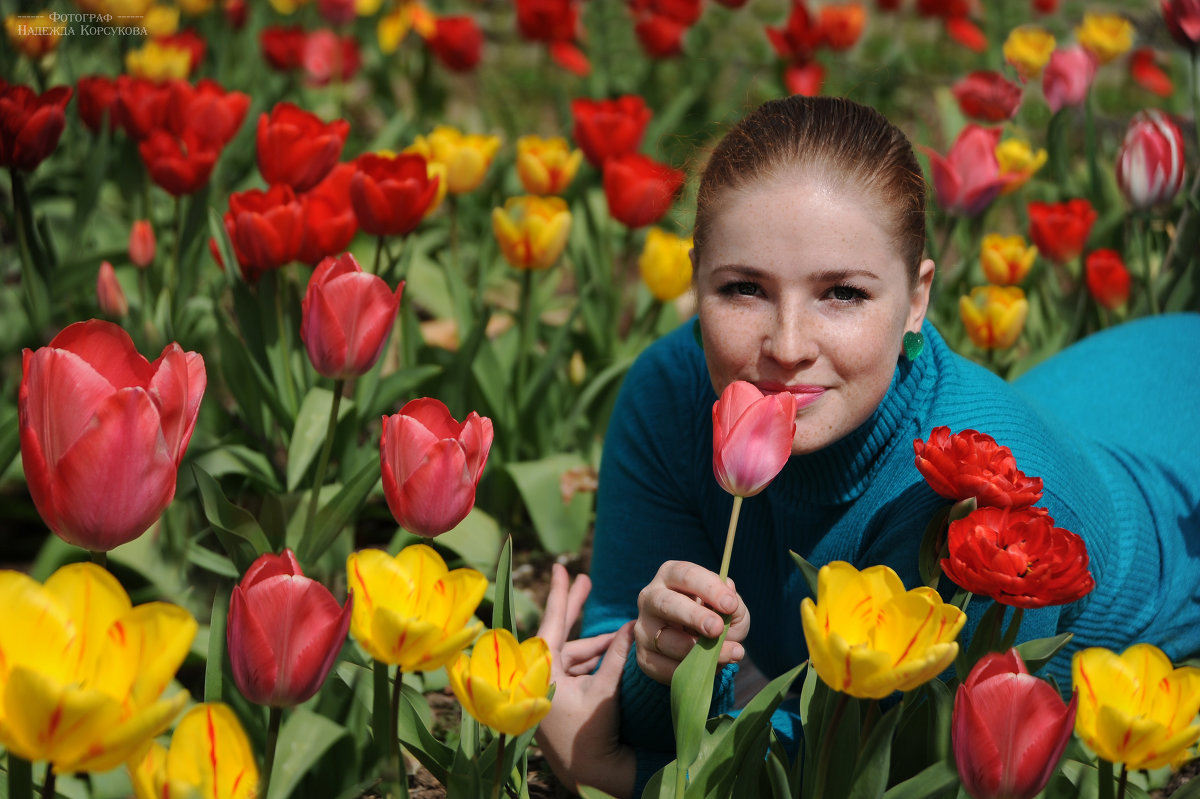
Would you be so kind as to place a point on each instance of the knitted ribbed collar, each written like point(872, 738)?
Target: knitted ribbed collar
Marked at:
point(840, 473)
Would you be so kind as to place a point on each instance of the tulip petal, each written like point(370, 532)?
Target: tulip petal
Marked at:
point(439, 493)
point(252, 650)
point(125, 740)
point(756, 448)
point(210, 753)
point(94, 599)
point(34, 614)
point(405, 442)
point(177, 388)
point(60, 393)
point(52, 720)
point(144, 650)
point(108, 349)
point(149, 772)
point(374, 578)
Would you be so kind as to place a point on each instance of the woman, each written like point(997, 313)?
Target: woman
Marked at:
point(809, 236)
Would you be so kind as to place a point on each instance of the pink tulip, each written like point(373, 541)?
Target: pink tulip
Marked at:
point(431, 465)
point(1068, 77)
point(284, 632)
point(109, 294)
point(968, 178)
point(1009, 729)
point(346, 317)
point(103, 431)
point(1150, 164)
point(752, 437)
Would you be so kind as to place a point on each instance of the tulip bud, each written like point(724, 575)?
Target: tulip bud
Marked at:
point(752, 437)
point(1068, 77)
point(1150, 165)
point(994, 316)
point(109, 294)
point(142, 245)
point(666, 264)
point(576, 369)
point(347, 316)
point(1107, 278)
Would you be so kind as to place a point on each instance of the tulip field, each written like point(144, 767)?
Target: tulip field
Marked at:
point(314, 313)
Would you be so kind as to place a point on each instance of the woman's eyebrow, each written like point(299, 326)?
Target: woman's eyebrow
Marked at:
point(835, 275)
point(741, 270)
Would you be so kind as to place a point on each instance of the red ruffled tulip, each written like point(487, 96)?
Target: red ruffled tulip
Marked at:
point(457, 42)
point(1107, 278)
point(968, 178)
point(283, 46)
point(1009, 729)
point(431, 465)
point(639, 189)
point(988, 96)
point(329, 220)
point(265, 228)
point(604, 128)
point(1060, 230)
point(660, 24)
point(547, 20)
point(1145, 70)
point(1150, 165)
point(390, 195)
point(180, 166)
point(971, 464)
point(141, 106)
point(1017, 557)
point(30, 124)
point(284, 632)
point(797, 40)
point(1183, 21)
point(296, 148)
point(346, 317)
point(103, 431)
point(326, 54)
point(207, 109)
point(1068, 76)
point(142, 245)
point(97, 101)
point(752, 437)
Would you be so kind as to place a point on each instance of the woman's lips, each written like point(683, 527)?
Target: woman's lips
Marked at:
point(805, 395)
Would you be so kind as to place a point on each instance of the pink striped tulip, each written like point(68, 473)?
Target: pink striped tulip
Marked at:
point(1150, 166)
point(752, 437)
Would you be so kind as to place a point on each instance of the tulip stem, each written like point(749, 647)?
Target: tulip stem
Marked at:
point(1105, 768)
point(35, 290)
point(99, 558)
point(733, 520)
point(274, 716)
point(1141, 227)
point(285, 348)
point(1014, 627)
point(1123, 781)
point(48, 782)
point(827, 744)
point(378, 254)
point(498, 780)
point(526, 335)
point(323, 460)
point(394, 737)
point(383, 716)
point(20, 777)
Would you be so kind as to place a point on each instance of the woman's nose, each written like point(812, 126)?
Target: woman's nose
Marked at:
point(792, 338)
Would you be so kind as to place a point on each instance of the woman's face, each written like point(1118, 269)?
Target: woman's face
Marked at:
point(800, 289)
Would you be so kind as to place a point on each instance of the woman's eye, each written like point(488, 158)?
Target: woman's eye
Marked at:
point(740, 288)
point(847, 294)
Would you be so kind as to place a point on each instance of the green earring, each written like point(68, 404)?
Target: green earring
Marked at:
point(697, 335)
point(914, 344)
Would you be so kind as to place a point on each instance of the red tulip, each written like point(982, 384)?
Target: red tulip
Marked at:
point(283, 47)
point(390, 195)
point(284, 632)
point(660, 24)
point(186, 39)
point(1060, 230)
point(1045, 6)
point(109, 294)
point(604, 128)
point(235, 13)
point(968, 178)
point(103, 431)
point(431, 465)
point(988, 96)
point(841, 26)
point(570, 58)
point(1017, 557)
point(805, 79)
point(547, 20)
point(639, 189)
point(1145, 70)
point(30, 124)
point(207, 109)
point(966, 33)
point(971, 464)
point(296, 148)
point(97, 101)
point(1183, 21)
point(329, 221)
point(797, 40)
point(326, 54)
point(336, 12)
point(178, 166)
point(1150, 165)
point(752, 437)
point(1107, 278)
point(141, 106)
point(142, 246)
point(1068, 77)
point(265, 228)
point(346, 317)
point(1009, 729)
point(457, 42)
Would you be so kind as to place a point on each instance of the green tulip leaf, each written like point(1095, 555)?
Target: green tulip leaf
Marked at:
point(808, 571)
point(236, 529)
point(987, 638)
point(1038, 651)
point(338, 512)
point(929, 782)
point(503, 616)
point(588, 792)
point(414, 733)
point(875, 759)
point(691, 696)
point(309, 433)
point(304, 737)
point(778, 777)
point(216, 647)
point(10, 441)
point(933, 544)
point(560, 527)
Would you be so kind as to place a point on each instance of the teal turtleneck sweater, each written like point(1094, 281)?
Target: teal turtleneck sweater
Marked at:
point(1111, 425)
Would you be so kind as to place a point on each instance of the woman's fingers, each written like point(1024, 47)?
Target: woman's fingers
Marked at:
point(554, 627)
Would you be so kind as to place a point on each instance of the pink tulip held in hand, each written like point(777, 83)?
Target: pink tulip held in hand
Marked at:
point(752, 437)
point(347, 315)
point(431, 465)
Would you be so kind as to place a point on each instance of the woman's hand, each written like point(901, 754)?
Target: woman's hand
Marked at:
point(579, 736)
point(682, 602)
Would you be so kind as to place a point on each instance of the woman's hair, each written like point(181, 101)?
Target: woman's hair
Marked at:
point(834, 139)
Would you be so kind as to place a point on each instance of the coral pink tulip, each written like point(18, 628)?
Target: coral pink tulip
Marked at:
point(967, 179)
point(142, 245)
point(1150, 164)
point(109, 294)
point(1009, 729)
point(752, 437)
point(431, 465)
point(284, 632)
point(1068, 77)
point(346, 317)
point(103, 431)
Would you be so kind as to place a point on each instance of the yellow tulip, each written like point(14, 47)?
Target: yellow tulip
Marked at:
point(1134, 708)
point(34, 35)
point(994, 315)
point(410, 610)
point(546, 166)
point(465, 156)
point(532, 231)
point(665, 264)
point(502, 683)
point(210, 756)
point(1105, 36)
point(287, 6)
point(194, 8)
point(1018, 162)
point(868, 637)
point(395, 25)
point(1006, 259)
point(158, 62)
point(161, 20)
point(82, 671)
point(1028, 48)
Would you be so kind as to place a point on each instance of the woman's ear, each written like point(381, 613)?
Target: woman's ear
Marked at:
point(919, 302)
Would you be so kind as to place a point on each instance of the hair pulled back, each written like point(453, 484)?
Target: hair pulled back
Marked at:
point(828, 138)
